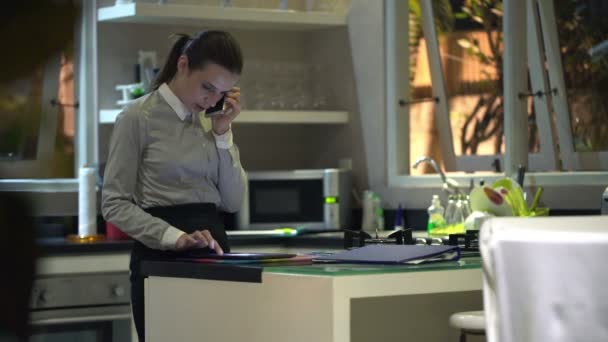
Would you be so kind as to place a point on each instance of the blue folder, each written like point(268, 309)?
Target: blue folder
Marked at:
point(395, 254)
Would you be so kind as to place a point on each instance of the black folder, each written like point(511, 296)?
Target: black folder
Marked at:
point(395, 254)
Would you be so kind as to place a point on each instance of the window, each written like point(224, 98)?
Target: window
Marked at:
point(48, 132)
point(481, 102)
point(581, 35)
point(38, 129)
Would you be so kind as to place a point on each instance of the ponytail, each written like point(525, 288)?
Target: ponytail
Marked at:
point(217, 47)
point(170, 68)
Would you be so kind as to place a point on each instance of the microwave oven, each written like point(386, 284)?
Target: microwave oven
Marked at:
point(315, 199)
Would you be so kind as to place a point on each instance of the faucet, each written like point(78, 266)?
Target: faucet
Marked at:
point(449, 185)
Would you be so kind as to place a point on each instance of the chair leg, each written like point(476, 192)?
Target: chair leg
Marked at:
point(463, 336)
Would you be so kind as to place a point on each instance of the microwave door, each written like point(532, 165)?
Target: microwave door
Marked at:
point(293, 203)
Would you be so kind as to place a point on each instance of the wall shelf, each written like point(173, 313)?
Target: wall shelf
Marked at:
point(215, 16)
point(108, 116)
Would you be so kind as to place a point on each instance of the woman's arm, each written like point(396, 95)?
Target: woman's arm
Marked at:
point(119, 185)
point(232, 180)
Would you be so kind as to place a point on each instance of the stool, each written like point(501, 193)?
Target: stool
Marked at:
point(469, 323)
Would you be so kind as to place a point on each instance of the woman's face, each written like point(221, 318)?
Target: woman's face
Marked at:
point(201, 89)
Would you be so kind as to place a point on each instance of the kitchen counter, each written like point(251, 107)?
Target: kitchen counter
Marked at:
point(253, 273)
point(51, 246)
point(319, 302)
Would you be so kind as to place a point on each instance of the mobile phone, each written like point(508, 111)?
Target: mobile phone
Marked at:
point(218, 109)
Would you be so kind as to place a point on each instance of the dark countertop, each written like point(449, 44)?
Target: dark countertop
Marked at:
point(58, 245)
point(185, 269)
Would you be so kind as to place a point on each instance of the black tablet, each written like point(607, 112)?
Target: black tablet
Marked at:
point(238, 256)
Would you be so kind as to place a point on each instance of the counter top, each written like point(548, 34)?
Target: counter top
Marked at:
point(185, 269)
point(58, 245)
point(51, 246)
point(311, 241)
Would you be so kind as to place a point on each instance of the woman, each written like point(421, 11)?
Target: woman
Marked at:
point(166, 175)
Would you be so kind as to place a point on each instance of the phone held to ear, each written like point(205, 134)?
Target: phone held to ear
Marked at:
point(218, 109)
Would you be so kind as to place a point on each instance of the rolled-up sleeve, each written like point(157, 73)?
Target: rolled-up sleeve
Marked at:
point(232, 180)
point(120, 180)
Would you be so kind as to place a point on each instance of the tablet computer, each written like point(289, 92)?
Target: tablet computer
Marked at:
point(238, 256)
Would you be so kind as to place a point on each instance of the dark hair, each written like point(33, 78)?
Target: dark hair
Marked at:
point(205, 47)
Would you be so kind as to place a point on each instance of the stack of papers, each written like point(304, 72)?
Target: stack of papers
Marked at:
point(395, 254)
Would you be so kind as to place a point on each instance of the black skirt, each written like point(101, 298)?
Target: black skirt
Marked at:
point(186, 217)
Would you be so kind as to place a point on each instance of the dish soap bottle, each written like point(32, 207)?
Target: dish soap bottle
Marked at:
point(436, 219)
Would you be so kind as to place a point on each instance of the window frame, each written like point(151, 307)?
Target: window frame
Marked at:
point(48, 123)
point(397, 135)
point(86, 135)
point(573, 160)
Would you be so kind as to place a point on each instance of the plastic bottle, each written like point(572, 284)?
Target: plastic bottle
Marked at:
point(399, 224)
point(466, 203)
point(459, 212)
point(379, 217)
point(449, 211)
point(368, 222)
point(435, 210)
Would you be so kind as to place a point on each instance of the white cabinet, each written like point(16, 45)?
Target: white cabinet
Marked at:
point(215, 16)
point(266, 34)
point(277, 132)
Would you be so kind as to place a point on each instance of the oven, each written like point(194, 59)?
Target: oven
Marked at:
point(81, 307)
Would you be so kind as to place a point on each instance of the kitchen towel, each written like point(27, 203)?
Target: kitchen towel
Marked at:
point(544, 278)
point(87, 202)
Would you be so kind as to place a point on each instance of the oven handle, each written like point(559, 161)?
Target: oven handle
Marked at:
point(81, 319)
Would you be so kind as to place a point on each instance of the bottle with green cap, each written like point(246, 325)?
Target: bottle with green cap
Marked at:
point(436, 219)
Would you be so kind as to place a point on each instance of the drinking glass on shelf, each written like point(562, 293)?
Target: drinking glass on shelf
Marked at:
point(277, 98)
point(246, 3)
point(319, 102)
point(309, 5)
point(320, 5)
point(298, 86)
point(246, 84)
point(318, 87)
point(202, 2)
point(284, 5)
point(259, 95)
point(301, 99)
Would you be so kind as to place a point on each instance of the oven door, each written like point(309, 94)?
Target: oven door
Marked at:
point(102, 323)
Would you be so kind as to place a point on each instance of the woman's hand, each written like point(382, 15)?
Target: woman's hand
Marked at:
point(198, 239)
point(221, 123)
